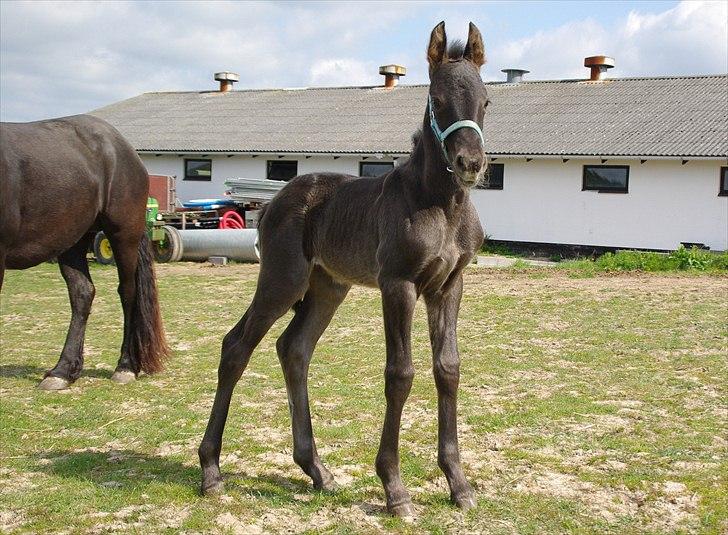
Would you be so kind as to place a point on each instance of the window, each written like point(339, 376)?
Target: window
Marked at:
point(198, 170)
point(375, 168)
point(282, 169)
point(723, 191)
point(493, 178)
point(605, 178)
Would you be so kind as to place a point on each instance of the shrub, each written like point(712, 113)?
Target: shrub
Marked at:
point(679, 260)
point(692, 258)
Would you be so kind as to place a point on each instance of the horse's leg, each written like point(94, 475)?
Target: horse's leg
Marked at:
point(398, 303)
point(74, 268)
point(125, 245)
point(442, 312)
point(2, 269)
point(280, 286)
point(295, 349)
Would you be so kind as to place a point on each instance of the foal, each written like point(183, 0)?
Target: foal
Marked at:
point(409, 233)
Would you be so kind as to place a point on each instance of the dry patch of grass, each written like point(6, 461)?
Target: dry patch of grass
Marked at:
point(588, 405)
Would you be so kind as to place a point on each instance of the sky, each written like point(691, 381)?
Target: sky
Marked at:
point(63, 58)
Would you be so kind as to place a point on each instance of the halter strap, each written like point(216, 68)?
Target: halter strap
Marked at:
point(457, 125)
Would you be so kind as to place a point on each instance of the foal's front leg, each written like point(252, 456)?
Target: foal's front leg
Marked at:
point(442, 313)
point(398, 302)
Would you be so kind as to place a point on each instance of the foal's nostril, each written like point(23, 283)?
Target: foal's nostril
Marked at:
point(468, 164)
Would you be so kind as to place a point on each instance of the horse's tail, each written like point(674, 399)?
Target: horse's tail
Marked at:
point(148, 348)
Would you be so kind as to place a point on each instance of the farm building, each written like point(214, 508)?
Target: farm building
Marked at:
point(623, 162)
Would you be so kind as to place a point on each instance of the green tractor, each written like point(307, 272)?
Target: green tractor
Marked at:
point(104, 254)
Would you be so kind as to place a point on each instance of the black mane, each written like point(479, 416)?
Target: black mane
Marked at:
point(456, 50)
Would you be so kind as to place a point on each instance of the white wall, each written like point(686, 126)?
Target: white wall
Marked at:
point(667, 203)
point(542, 200)
point(236, 166)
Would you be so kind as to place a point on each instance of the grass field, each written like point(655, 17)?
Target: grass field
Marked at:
point(588, 405)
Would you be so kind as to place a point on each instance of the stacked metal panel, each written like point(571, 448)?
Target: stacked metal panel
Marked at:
point(247, 190)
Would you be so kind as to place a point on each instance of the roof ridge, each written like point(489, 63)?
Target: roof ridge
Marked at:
point(414, 86)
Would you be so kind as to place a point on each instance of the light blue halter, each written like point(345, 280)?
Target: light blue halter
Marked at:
point(457, 125)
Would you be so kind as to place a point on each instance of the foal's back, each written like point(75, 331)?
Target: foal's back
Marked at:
point(334, 219)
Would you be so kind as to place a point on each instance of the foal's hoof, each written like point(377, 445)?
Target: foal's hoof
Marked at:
point(123, 377)
point(213, 488)
point(464, 502)
point(402, 510)
point(327, 486)
point(54, 383)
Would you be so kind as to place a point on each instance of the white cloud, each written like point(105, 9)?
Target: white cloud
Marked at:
point(63, 58)
point(691, 38)
point(342, 72)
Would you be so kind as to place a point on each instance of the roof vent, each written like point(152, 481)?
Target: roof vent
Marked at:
point(514, 76)
point(598, 66)
point(391, 74)
point(226, 79)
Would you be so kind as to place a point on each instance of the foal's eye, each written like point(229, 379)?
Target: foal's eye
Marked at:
point(485, 106)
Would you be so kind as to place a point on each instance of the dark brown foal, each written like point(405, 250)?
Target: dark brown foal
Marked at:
point(409, 233)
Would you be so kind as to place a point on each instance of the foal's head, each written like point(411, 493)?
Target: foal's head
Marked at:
point(458, 100)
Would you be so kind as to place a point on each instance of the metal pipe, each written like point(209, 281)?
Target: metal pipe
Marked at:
point(201, 244)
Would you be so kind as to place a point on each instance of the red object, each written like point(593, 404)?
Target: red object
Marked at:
point(161, 187)
point(232, 219)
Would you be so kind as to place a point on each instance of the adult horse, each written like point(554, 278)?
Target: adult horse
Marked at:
point(409, 233)
point(61, 180)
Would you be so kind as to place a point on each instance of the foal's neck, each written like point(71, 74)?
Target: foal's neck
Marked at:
point(434, 184)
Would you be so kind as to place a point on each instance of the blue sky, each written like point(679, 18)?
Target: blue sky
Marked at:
point(64, 58)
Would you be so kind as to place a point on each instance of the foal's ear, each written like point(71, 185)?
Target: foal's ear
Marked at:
point(475, 50)
point(437, 49)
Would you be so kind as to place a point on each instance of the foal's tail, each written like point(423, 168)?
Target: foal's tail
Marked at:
point(148, 349)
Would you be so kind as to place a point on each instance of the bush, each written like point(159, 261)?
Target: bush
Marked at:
point(679, 260)
point(693, 258)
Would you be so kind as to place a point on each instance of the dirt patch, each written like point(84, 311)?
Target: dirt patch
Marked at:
point(668, 507)
point(10, 520)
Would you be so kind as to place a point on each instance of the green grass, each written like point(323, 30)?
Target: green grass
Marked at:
point(682, 259)
point(587, 405)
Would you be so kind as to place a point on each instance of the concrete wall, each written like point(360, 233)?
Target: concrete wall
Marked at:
point(667, 203)
point(542, 200)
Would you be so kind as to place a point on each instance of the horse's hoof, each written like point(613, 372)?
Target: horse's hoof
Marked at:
point(464, 502)
point(327, 486)
point(123, 377)
point(215, 488)
point(54, 383)
point(402, 510)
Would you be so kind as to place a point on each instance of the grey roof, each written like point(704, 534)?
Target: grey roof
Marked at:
point(669, 116)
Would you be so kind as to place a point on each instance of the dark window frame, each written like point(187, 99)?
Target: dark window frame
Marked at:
point(723, 182)
point(602, 189)
point(490, 186)
point(363, 163)
point(269, 163)
point(197, 178)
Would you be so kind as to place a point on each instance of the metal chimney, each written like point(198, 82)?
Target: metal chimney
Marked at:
point(226, 79)
point(598, 66)
point(514, 76)
point(391, 74)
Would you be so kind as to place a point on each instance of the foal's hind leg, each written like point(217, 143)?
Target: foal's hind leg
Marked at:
point(81, 291)
point(295, 348)
point(279, 287)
